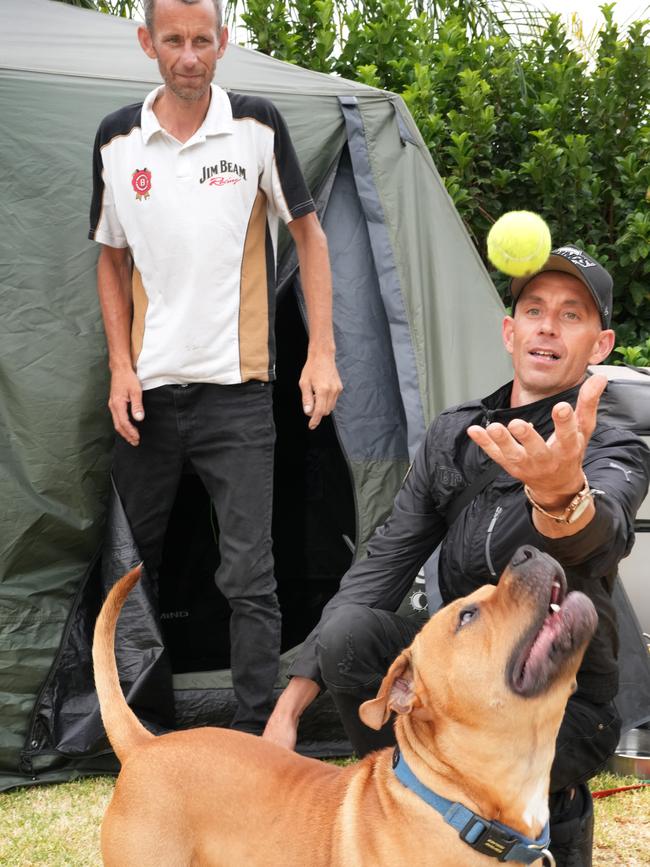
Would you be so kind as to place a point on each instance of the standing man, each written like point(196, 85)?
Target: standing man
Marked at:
point(545, 470)
point(188, 190)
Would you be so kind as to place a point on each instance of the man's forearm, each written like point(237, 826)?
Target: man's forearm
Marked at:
point(319, 383)
point(282, 726)
point(296, 698)
point(114, 290)
point(316, 279)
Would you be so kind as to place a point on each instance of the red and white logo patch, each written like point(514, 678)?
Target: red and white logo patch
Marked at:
point(141, 183)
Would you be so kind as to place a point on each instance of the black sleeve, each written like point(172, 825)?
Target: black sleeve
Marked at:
point(98, 187)
point(105, 226)
point(617, 463)
point(286, 179)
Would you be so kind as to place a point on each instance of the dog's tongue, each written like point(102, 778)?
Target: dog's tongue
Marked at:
point(553, 636)
point(562, 630)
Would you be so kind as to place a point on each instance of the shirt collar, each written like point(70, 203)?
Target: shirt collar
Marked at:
point(218, 120)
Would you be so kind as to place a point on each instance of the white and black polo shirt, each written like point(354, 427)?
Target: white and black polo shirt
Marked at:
point(201, 221)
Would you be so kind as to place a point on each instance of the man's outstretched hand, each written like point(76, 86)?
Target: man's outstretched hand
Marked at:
point(552, 469)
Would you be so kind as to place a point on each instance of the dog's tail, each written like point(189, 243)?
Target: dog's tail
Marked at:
point(123, 728)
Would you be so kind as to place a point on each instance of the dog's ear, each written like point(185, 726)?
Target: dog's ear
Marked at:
point(395, 693)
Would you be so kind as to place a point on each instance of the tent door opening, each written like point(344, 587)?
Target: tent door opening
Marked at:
point(313, 526)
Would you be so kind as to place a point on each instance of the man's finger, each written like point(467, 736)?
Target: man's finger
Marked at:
point(330, 396)
point(535, 448)
point(121, 423)
point(308, 398)
point(127, 432)
point(511, 450)
point(566, 425)
point(483, 440)
point(134, 404)
point(587, 404)
point(320, 406)
point(524, 433)
point(137, 410)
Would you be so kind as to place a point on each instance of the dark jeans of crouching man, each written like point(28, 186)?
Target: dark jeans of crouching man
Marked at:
point(226, 434)
point(355, 649)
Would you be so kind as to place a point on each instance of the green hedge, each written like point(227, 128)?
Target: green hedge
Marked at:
point(510, 124)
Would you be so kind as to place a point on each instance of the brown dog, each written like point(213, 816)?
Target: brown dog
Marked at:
point(479, 696)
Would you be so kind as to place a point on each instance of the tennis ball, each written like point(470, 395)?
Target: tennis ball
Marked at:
point(519, 243)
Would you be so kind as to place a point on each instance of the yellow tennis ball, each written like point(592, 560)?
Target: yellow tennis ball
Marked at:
point(519, 243)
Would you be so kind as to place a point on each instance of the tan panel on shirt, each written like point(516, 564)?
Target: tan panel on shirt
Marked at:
point(254, 303)
point(140, 302)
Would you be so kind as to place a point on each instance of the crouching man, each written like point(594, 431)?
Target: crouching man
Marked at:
point(542, 468)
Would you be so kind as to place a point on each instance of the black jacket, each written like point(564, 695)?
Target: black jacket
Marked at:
point(479, 544)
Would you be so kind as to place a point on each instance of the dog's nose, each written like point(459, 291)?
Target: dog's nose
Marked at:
point(535, 570)
point(521, 555)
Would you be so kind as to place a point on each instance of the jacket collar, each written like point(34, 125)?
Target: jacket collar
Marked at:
point(496, 407)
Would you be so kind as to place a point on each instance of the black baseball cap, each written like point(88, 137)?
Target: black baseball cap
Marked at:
point(574, 261)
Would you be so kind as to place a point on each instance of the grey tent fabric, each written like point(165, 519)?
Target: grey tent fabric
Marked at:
point(388, 279)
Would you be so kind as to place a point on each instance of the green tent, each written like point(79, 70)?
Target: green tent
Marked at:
point(417, 329)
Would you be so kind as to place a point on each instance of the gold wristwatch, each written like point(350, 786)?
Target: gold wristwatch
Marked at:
point(575, 508)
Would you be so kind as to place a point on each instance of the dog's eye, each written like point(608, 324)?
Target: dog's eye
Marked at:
point(466, 615)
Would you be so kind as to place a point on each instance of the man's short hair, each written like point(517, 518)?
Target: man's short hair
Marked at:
point(149, 7)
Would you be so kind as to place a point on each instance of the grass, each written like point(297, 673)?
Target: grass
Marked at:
point(622, 837)
point(58, 826)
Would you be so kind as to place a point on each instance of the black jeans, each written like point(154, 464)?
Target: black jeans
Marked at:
point(226, 433)
point(355, 650)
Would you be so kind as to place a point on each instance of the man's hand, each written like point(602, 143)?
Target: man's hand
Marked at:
point(126, 392)
point(320, 386)
point(552, 469)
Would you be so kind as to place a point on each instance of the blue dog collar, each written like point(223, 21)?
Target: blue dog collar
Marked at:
point(490, 838)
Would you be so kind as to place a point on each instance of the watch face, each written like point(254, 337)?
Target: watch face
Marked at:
point(579, 509)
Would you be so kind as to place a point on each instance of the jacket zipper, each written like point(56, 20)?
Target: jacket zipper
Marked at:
point(488, 538)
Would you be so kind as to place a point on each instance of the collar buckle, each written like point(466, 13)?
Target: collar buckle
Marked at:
point(487, 838)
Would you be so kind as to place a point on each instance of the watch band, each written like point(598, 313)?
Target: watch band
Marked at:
point(575, 508)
